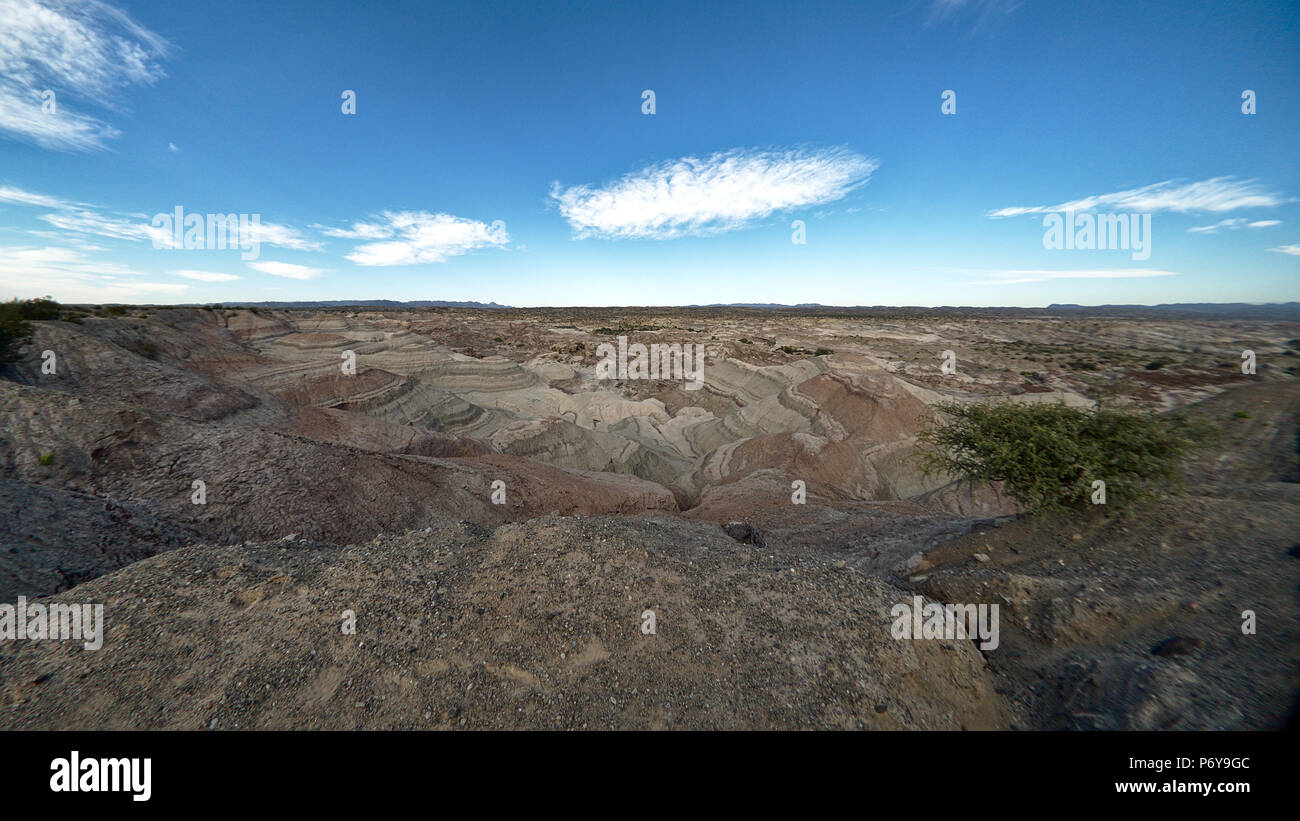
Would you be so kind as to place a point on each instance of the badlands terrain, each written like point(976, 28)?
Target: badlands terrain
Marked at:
point(499, 520)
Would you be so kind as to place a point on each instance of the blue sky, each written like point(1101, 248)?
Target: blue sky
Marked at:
point(499, 151)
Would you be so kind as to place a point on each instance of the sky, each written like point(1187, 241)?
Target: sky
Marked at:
point(919, 152)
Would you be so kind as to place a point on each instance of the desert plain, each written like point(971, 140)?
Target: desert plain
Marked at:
point(232, 482)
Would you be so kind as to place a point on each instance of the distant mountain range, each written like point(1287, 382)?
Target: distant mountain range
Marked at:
point(1282, 311)
point(366, 303)
point(1278, 311)
point(1208, 310)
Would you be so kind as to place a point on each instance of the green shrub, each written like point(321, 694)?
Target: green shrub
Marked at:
point(15, 316)
point(14, 333)
point(1050, 454)
point(46, 458)
point(42, 308)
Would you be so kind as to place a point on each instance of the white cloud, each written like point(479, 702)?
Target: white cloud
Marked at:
point(273, 233)
point(18, 196)
point(1232, 225)
point(172, 147)
point(1214, 195)
point(83, 51)
point(69, 275)
point(1214, 229)
point(80, 218)
point(359, 230)
point(1014, 277)
point(286, 269)
point(81, 221)
point(205, 276)
point(1293, 250)
point(722, 192)
point(413, 237)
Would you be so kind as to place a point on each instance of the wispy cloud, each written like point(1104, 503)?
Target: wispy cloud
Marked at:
point(282, 236)
point(1019, 277)
point(205, 276)
point(1233, 225)
point(72, 276)
point(1214, 195)
point(286, 269)
point(82, 221)
point(20, 197)
point(943, 10)
point(359, 230)
point(701, 196)
point(413, 237)
point(1293, 250)
point(85, 51)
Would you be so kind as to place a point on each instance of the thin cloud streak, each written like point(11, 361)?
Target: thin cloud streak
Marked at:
point(1214, 195)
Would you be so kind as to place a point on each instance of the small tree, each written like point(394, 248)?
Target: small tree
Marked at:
point(1049, 455)
point(15, 328)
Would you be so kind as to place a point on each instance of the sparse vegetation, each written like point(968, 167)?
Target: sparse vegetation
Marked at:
point(15, 318)
point(624, 331)
point(1050, 454)
point(791, 349)
point(46, 458)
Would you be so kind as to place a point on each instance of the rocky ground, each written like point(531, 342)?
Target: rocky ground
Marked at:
point(373, 492)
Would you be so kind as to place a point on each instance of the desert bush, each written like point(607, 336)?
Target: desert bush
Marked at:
point(1048, 455)
point(15, 316)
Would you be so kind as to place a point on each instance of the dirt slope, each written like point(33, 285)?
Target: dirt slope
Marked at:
point(535, 625)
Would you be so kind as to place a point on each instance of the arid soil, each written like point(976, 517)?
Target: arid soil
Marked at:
point(372, 491)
